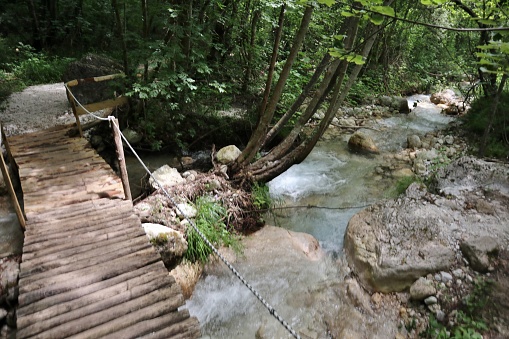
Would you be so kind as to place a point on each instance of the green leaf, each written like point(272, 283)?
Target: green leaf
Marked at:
point(327, 2)
point(376, 19)
point(347, 14)
point(384, 10)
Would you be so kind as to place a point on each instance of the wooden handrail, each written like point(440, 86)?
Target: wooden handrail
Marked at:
point(78, 110)
point(7, 178)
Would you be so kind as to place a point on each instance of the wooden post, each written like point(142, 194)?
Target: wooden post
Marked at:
point(71, 100)
point(121, 159)
point(8, 181)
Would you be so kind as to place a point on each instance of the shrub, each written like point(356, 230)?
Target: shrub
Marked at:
point(210, 220)
point(478, 119)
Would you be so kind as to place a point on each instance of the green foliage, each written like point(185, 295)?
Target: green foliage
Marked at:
point(477, 119)
point(8, 85)
point(468, 321)
point(261, 196)
point(34, 68)
point(210, 220)
point(403, 183)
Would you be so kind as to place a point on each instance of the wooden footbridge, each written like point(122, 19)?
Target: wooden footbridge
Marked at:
point(87, 270)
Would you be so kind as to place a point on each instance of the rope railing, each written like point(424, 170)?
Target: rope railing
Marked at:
point(271, 309)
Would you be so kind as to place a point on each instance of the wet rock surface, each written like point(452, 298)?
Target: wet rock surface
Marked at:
point(392, 243)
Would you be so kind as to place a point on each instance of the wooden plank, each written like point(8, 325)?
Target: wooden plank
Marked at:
point(150, 306)
point(79, 221)
point(152, 326)
point(109, 232)
point(92, 304)
point(8, 182)
point(83, 292)
point(77, 279)
point(33, 273)
point(78, 210)
point(65, 250)
point(188, 328)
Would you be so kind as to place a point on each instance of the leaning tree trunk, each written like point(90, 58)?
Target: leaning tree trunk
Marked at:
point(269, 107)
point(283, 156)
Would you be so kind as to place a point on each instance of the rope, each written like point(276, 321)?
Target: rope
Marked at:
point(271, 309)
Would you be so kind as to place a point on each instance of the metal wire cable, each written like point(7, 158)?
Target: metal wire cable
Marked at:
point(271, 309)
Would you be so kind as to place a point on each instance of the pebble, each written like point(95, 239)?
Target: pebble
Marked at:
point(446, 277)
point(430, 300)
point(438, 277)
point(3, 314)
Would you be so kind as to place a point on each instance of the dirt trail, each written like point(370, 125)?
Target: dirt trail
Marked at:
point(35, 108)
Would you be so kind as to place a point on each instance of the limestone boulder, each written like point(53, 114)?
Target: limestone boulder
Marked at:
point(93, 65)
point(362, 143)
point(167, 176)
point(228, 154)
point(169, 243)
point(479, 251)
point(393, 243)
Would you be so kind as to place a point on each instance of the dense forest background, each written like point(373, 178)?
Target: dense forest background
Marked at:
point(185, 60)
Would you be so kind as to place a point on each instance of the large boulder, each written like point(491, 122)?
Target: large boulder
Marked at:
point(393, 243)
point(228, 154)
point(93, 65)
point(361, 143)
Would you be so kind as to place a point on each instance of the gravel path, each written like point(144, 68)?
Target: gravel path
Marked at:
point(35, 108)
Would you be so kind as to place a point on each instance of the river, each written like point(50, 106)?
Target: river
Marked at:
point(317, 197)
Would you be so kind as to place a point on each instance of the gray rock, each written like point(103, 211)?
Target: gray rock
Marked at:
point(360, 142)
point(169, 243)
point(132, 136)
point(440, 315)
point(421, 289)
point(468, 173)
point(3, 314)
point(167, 176)
point(414, 141)
point(186, 210)
point(347, 122)
point(458, 273)
point(228, 154)
point(446, 277)
point(478, 251)
point(432, 300)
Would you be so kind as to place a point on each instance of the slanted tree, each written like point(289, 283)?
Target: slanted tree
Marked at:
point(332, 71)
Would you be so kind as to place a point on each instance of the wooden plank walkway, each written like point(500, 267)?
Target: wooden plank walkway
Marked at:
point(87, 270)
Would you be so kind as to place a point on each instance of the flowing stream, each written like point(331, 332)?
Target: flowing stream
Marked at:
point(317, 197)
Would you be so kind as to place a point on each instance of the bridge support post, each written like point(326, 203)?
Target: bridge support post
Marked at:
point(7, 178)
point(121, 159)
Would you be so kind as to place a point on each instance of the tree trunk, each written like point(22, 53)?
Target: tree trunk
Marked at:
point(120, 33)
point(37, 34)
point(494, 112)
point(258, 137)
point(281, 158)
